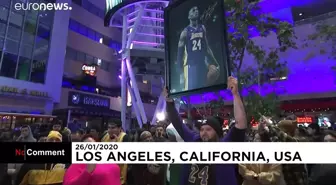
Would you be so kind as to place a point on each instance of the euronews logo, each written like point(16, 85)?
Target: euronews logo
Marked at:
point(42, 6)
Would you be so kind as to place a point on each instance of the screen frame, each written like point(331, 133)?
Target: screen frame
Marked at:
point(225, 50)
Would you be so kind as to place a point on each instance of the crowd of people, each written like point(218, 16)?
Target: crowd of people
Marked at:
point(174, 130)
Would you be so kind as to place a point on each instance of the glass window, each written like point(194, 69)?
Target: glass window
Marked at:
point(83, 30)
point(8, 65)
point(16, 19)
point(28, 38)
point(46, 17)
point(30, 26)
point(43, 31)
point(89, 59)
point(99, 62)
point(80, 56)
point(78, 2)
point(3, 13)
point(91, 34)
point(71, 54)
point(2, 29)
point(12, 46)
point(40, 58)
point(95, 60)
point(32, 14)
point(86, 4)
point(14, 33)
point(98, 36)
point(26, 50)
point(38, 71)
point(23, 68)
point(105, 65)
point(73, 25)
point(5, 3)
point(48, 1)
point(106, 41)
point(41, 43)
point(1, 43)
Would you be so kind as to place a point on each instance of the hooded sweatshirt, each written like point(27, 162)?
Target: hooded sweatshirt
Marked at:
point(37, 174)
point(29, 138)
point(215, 172)
point(103, 174)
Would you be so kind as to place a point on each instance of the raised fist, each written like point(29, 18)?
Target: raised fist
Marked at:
point(233, 85)
point(165, 94)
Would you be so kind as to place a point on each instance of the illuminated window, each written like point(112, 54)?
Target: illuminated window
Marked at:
point(93, 35)
point(99, 62)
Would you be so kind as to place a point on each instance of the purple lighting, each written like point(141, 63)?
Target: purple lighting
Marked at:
point(152, 35)
point(147, 18)
point(153, 18)
point(146, 43)
point(119, 77)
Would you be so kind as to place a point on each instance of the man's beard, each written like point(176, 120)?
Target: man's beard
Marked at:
point(205, 139)
point(208, 139)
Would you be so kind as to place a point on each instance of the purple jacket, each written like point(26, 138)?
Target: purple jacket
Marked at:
point(225, 174)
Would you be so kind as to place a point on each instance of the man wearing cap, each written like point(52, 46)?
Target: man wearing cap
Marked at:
point(46, 174)
point(211, 131)
point(116, 134)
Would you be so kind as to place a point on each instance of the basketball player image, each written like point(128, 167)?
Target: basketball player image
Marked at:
point(194, 56)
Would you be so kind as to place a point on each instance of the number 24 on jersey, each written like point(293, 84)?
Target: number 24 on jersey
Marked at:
point(197, 45)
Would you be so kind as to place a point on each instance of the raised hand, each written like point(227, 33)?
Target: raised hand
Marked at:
point(165, 95)
point(233, 85)
point(114, 138)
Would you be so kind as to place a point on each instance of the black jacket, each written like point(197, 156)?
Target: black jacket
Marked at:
point(322, 174)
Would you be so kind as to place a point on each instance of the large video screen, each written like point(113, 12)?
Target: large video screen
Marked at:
point(196, 48)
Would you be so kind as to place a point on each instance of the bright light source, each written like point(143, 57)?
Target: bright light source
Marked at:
point(119, 77)
point(129, 98)
point(131, 47)
point(300, 14)
point(101, 40)
point(99, 61)
point(160, 116)
point(120, 51)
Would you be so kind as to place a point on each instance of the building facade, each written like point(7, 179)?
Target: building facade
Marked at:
point(92, 68)
point(32, 50)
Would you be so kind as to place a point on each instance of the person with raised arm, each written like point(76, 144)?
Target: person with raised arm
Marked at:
point(211, 131)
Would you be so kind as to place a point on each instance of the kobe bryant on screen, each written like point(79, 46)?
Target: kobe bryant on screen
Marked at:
point(195, 59)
